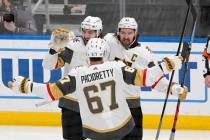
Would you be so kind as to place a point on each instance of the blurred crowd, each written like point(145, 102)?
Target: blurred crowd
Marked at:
point(15, 18)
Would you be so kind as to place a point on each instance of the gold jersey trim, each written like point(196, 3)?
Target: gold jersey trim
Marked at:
point(56, 92)
point(139, 78)
point(70, 98)
point(109, 130)
point(133, 97)
point(60, 63)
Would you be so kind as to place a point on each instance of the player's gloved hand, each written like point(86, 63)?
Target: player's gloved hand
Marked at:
point(179, 91)
point(60, 37)
point(20, 84)
point(171, 63)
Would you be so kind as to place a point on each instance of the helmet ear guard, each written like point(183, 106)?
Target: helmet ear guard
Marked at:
point(96, 48)
point(92, 23)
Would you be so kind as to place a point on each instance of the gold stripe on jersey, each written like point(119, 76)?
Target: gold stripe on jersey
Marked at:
point(133, 97)
point(138, 81)
point(56, 92)
point(60, 62)
point(71, 98)
point(109, 130)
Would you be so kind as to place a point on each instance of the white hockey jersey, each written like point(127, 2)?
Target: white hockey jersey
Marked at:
point(104, 111)
point(73, 55)
point(99, 89)
point(137, 57)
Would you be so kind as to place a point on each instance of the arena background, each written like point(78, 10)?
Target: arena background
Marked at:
point(160, 23)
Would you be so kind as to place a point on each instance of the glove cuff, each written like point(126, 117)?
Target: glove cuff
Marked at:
point(25, 86)
point(52, 51)
point(176, 89)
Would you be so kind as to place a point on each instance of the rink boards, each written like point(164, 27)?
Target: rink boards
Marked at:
point(22, 55)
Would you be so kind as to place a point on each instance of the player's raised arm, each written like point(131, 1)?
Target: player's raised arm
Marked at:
point(151, 76)
point(58, 52)
point(49, 91)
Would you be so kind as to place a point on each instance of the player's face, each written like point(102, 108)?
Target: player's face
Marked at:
point(87, 34)
point(126, 36)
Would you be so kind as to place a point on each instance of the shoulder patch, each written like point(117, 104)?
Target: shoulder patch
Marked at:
point(148, 49)
point(76, 40)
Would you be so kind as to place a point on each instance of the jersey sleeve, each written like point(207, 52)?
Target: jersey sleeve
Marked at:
point(132, 76)
point(67, 84)
point(56, 60)
point(160, 84)
point(148, 77)
point(109, 38)
point(54, 91)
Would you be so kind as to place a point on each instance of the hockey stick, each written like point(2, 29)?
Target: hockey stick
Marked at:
point(173, 130)
point(172, 75)
point(43, 103)
point(186, 61)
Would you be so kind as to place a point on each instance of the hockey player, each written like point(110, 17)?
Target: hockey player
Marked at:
point(68, 53)
point(99, 89)
point(206, 59)
point(124, 46)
